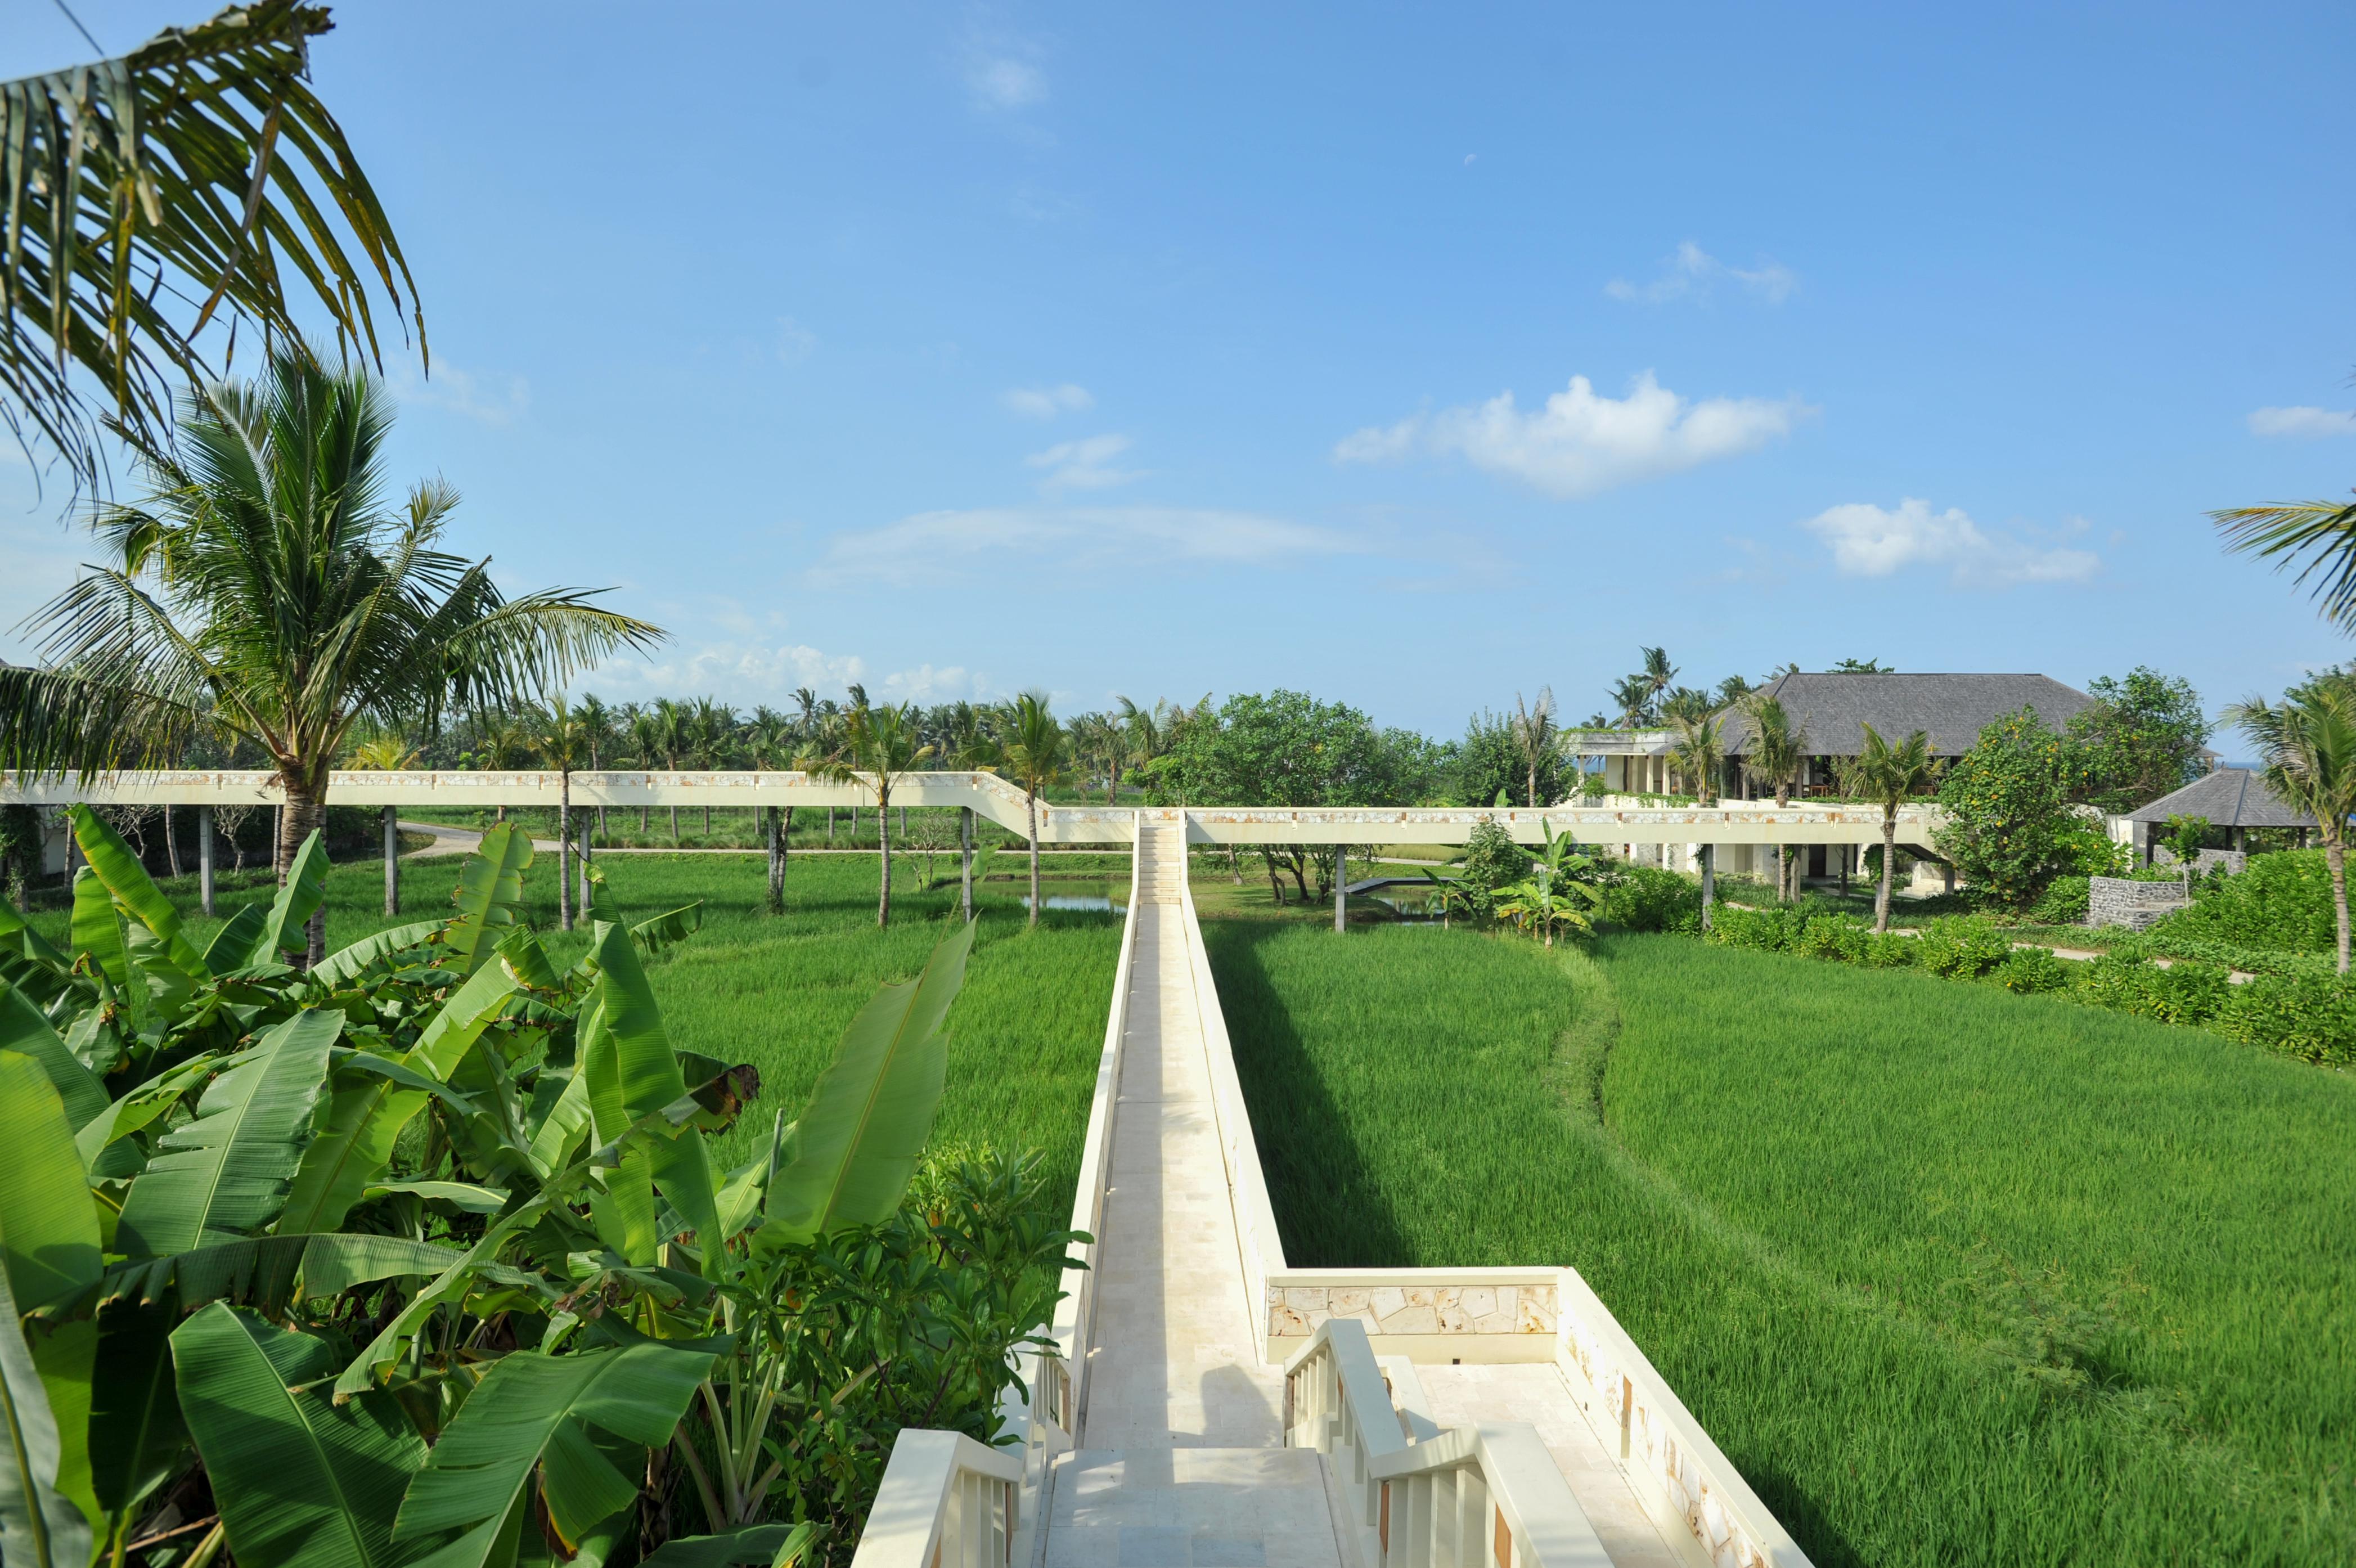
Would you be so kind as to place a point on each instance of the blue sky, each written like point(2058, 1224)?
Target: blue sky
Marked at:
point(1410, 355)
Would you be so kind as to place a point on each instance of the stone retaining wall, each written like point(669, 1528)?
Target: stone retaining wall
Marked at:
point(1448, 1304)
point(2116, 901)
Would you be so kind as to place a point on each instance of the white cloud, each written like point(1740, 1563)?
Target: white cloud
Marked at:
point(494, 401)
point(2302, 422)
point(1869, 541)
point(1579, 443)
point(1046, 402)
point(795, 342)
point(1693, 273)
point(1083, 465)
point(747, 670)
point(1001, 81)
point(944, 546)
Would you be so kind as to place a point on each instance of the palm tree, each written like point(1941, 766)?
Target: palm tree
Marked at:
point(501, 741)
point(1631, 695)
point(151, 195)
point(265, 590)
point(601, 732)
point(1700, 754)
point(2324, 532)
point(1779, 747)
point(1535, 735)
point(771, 744)
point(1033, 746)
point(881, 745)
point(2308, 742)
point(385, 752)
point(671, 740)
point(1889, 776)
point(1659, 673)
point(975, 749)
point(646, 743)
point(711, 727)
point(556, 734)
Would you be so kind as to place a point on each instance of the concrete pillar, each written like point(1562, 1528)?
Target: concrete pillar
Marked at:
point(391, 862)
point(205, 858)
point(588, 838)
point(1341, 882)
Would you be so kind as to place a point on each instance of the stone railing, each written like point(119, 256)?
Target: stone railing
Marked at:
point(946, 1501)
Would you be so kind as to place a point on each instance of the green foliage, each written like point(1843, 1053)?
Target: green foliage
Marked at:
point(2064, 902)
point(2311, 1017)
point(2280, 901)
point(2139, 739)
point(2008, 804)
point(1489, 761)
point(2174, 1205)
point(1492, 861)
point(1962, 947)
point(1648, 898)
point(2187, 836)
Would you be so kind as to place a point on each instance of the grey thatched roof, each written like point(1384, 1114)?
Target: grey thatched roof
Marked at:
point(1834, 708)
point(2228, 798)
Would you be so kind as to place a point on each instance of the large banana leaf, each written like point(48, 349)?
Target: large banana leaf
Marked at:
point(116, 865)
point(269, 1271)
point(451, 1284)
point(367, 1115)
point(233, 946)
point(135, 1431)
point(633, 1072)
point(305, 890)
point(349, 963)
point(226, 1174)
point(850, 1156)
point(138, 1107)
point(97, 929)
point(49, 1221)
point(529, 1410)
point(301, 1481)
point(22, 1028)
point(490, 891)
point(778, 1545)
point(40, 1526)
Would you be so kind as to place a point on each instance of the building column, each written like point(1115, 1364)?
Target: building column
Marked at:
point(1341, 884)
point(391, 862)
point(205, 858)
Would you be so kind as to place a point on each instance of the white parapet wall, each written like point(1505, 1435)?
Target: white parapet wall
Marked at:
point(994, 798)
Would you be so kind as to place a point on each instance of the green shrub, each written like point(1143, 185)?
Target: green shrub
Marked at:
point(2184, 993)
point(2311, 1017)
point(2281, 900)
point(1891, 950)
point(1647, 899)
point(1839, 937)
point(1768, 930)
point(1962, 947)
point(2064, 902)
point(1492, 861)
point(2167, 942)
point(2029, 969)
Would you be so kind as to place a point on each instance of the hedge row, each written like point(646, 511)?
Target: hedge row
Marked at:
point(2308, 1015)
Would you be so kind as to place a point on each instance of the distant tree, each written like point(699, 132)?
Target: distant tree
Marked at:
point(1889, 776)
point(1700, 753)
point(1631, 699)
point(1683, 705)
point(1862, 666)
point(1535, 738)
point(1489, 759)
point(1732, 690)
point(881, 747)
point(601, 732)
point(2010, 826)
point(1779, 748)
point(554, 730)
point(2139, 739)
point(2309, 743)
point(1032, 746)
point(2187, 836)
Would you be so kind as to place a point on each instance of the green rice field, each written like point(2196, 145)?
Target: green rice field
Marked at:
point(777, 991)
point(1952, 1275)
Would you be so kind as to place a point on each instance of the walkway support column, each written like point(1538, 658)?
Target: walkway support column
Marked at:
point(205, 858)
point(1340, 884)
point(588, 838)
point(391, 861)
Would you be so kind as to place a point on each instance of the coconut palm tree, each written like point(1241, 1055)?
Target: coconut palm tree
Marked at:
point(1889, 776)
point(2308, 742)
point(189, 182)
point(1779, 747)
point(771, 744)
point(1033, 744)
point(2320, 533)
point(1632, 696)
point(555, 731)
point(1535, 735)
point(974, 748)
point(601, 732)
point(1700, 752)
point(711, 733)
point(644, 736)
point(881, 745)
point(267, 589)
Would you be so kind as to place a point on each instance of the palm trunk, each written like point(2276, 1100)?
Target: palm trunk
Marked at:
point(776, 864)
point(2335, 860)
point(965, 857)
point(707, 821)
point(171, 845)
point(1888, 869)
point(1708, 881)
point(674, 825)
point(884, 848)
point(1032, 801)
point(303, 814)
point(564, 849)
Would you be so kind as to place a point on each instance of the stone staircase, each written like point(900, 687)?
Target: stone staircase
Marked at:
point(1160, 861)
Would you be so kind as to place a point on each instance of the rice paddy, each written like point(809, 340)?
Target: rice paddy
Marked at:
point(777, 991)
point(1952, 1275)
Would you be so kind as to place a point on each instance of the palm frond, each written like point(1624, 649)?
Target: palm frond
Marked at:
point(142, 197)
point(2322, 532)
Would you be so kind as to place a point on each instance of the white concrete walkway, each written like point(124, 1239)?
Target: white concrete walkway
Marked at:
point(1180, 1460)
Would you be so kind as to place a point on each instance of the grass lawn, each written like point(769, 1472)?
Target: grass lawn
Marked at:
point(1953, 1275)
point(777, 991)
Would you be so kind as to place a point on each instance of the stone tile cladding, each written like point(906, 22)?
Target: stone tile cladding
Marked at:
point(1296, 1310)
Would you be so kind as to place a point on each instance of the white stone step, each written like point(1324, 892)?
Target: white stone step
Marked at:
point(1190, 1508)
